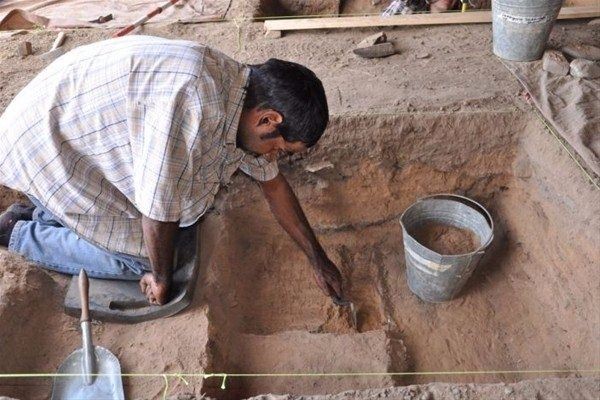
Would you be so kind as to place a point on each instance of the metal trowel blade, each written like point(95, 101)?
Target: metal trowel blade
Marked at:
point(353, 311)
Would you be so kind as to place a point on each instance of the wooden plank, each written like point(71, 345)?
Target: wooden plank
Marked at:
point(578, 3)
point(579, 12)
point(364, 22)
point(471, 17)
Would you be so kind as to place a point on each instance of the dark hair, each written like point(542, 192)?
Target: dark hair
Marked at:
point(296, 93)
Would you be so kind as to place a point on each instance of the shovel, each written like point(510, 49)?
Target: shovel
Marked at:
point(91, 372)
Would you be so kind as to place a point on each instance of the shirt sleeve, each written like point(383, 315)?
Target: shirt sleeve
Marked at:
point(161, 158)
point(259, 168)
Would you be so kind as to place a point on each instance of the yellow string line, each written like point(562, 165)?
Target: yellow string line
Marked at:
point(166, 391)
point(224, 376)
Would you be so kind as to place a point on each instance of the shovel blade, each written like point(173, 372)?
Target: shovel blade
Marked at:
point(106, 385)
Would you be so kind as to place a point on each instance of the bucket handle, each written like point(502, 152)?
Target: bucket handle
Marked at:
point(470, 202)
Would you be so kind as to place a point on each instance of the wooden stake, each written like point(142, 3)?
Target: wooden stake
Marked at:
point(24, 49)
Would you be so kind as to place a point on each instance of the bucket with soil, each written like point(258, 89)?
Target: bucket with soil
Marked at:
point(445, 236)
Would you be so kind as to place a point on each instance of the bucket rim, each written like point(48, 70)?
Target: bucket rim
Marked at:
point(452, 196)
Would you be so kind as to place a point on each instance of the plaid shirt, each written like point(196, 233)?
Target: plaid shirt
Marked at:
point(128, 127)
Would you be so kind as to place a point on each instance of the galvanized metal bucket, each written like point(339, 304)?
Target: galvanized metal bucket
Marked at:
point(521, 27)
point(435, 277)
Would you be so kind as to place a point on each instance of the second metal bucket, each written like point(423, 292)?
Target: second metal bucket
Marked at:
point(521, 27)
point(436, 277)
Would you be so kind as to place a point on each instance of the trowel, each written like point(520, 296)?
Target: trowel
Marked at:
point(341, 302)
point(91, 372)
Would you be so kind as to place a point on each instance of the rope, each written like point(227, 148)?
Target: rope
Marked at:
point(564, 146)
point(182, 376)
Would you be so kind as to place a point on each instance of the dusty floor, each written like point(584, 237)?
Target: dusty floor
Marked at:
point(402, 127)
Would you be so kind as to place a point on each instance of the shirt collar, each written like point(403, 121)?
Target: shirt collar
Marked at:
point(235, 105)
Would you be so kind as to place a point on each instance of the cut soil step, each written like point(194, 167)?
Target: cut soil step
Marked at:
point(306, 353)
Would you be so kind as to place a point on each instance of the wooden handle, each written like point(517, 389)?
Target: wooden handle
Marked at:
point(84, 286)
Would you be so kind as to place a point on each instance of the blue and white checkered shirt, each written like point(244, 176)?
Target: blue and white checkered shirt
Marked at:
point(128, 127)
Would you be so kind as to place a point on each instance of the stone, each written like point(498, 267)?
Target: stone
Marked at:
point(318, 166)
point(555, 62)
point(595, 21)
point(426, 396)
point(422, 55)
point(581, 50)
point(581, 68)
point(372, 40)
point(456, 393)
point(376, 51)
point(24, 49)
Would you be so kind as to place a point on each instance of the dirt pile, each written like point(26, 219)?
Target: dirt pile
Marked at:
point(26, 293)
point(446, 239)
point(339, 320)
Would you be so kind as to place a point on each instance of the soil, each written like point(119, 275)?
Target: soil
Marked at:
point(401, 128)
point(554, 389)
point(446, 239)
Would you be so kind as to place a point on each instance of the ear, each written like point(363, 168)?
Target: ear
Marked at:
point(269, 118)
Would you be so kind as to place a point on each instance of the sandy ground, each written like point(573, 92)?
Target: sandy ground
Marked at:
point(442, 115)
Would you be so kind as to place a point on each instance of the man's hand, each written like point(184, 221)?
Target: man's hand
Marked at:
point(159, 238)
point(157, 292)
point(328, 278)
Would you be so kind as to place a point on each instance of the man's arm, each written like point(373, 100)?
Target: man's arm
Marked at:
point(159, 238)
point(288, 212)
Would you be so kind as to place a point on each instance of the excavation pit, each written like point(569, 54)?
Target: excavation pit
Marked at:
point(531, 304)
point(265, 308)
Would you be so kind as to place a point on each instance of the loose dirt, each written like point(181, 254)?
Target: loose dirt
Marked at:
point(446, 239)
point(401, 128)
point(555, 389)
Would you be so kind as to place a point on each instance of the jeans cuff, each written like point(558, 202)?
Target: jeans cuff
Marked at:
point(15, 237)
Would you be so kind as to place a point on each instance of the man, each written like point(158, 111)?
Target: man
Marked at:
point(120, 143)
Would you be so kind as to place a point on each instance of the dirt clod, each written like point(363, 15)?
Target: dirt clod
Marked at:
point(446, 239)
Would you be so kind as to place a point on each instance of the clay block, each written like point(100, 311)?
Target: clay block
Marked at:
point(376, 51)
point(318, 353)
point(581, 68)
point(372, 40)
point(586, 51)
point(555, 62)
point(24, 49)
point(53, 54)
